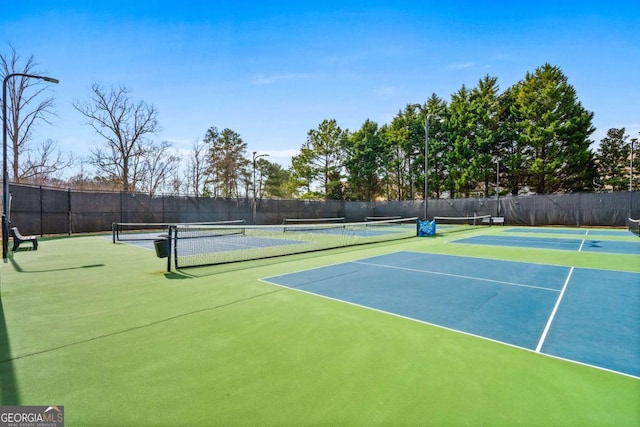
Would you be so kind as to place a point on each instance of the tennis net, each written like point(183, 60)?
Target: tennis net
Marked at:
point(634, 226)
point(380, 218)
point(132, 231)
point(199, 245)
point(447, 224)
point(295, 224)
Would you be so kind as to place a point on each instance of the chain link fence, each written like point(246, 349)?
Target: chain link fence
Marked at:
point(44, 211)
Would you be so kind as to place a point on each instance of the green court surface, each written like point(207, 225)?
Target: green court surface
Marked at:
point(105, 331)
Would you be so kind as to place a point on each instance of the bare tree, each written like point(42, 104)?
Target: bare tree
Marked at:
point(26, 107)
point(197, 168)
point(176, 183)
point(159, 167)
point(43, 163)
point(124, 124)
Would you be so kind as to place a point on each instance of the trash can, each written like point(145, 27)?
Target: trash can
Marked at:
point(162, 248)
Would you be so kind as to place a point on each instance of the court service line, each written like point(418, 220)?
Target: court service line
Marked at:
point(553, 313)
point(459, 276)
point(581, 245)
point(528, 240)
point(586, 233)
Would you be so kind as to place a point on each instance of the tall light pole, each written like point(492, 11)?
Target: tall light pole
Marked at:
point(256, 156)
point(631, 168)
point(426, 159)
point(497, 187)
point(5, 171)
point(427, 116)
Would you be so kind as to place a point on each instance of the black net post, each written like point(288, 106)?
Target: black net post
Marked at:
point(69, 216)
point(41, 208)
point(169, 243)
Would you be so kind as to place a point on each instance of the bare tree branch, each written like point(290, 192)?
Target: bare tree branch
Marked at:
point(44, 163)
point(124, 125)
point(26, 106)
point(159, 166)
point(197, 168)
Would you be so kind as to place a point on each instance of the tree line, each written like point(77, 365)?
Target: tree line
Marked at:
point(532, 137)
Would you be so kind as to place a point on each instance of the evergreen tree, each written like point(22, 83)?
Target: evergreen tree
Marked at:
point(323, 157)
point(634, 158)
point(227, 160)
point(510, 146)
point(612, 158)
point(363, 162)
point(277, 180)
point(402, 151)
point(461, 178)
point(486, 135)
point(554, 130)
point(302, 172)
point(436, 108)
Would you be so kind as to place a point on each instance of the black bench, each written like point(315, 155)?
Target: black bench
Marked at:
point(493, 220)
point(19, 238)
point(497, 220)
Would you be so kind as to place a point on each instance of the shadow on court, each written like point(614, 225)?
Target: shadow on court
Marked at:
point(8, 385)
point(17, 267)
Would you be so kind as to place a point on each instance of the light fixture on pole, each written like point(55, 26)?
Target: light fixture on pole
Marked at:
point(256, 156)
point(5, 171)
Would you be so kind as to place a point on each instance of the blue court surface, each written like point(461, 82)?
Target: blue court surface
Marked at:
point(565, 244)
point(583, 315)
point(566, 231)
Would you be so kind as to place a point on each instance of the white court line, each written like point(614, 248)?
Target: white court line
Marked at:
point(586, 233)
point(424, 322)
point(581, 245)
point(527, 240)
point(480, 279)
point(553, 313)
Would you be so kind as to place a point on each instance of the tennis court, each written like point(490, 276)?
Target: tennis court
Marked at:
point(568, 231)
point(533, 306)
point(565, 244)
point(407, 331)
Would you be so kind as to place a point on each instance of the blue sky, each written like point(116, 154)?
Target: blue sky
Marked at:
point(273, 70)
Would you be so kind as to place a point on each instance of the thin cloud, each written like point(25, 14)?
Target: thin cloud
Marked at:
point(461, 66)
point(467, 66)
point(264, 79)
